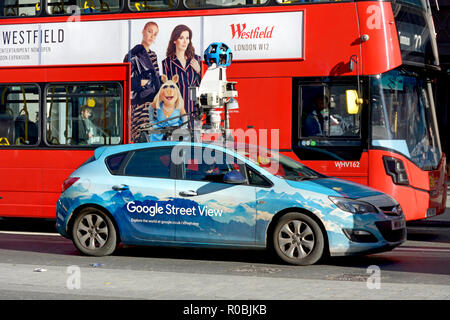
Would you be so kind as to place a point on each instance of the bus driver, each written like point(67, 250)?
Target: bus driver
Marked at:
point(314, 121)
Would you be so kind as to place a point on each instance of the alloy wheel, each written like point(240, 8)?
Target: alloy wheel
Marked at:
point(92, 231)
point(296, 239)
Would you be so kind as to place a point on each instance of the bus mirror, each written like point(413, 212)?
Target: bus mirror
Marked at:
point(353, 101)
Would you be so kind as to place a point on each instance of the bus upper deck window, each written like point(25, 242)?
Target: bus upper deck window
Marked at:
point(152, 5)
point(20, 8)
point(302, 1)
point(222, 3)
point(84, 6)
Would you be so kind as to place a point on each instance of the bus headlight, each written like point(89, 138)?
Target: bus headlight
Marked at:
point(353, 206)
point(395, 168)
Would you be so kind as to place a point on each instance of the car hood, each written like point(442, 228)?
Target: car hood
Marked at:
point(336, 187)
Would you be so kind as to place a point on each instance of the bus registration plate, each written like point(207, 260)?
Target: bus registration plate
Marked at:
point(431, 212)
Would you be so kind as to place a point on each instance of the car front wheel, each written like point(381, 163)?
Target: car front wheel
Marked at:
point(298, 239)
point(93, 233)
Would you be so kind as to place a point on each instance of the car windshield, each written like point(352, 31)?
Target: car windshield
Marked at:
point(402, 117)
point(277, 164)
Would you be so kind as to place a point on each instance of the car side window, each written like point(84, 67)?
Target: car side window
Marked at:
point(254, 179)
point(154, 163)
point(207, 164)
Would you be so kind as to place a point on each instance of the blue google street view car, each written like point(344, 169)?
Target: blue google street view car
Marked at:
point(206, 195)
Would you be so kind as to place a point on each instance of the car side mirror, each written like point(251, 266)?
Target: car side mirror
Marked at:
point(234, 177)
point(353, 101)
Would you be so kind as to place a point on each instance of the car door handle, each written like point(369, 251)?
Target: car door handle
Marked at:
point(188, 193)
point(120, 187)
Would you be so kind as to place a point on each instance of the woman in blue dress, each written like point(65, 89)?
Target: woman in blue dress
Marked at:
point(169, 108)
point(182, 61)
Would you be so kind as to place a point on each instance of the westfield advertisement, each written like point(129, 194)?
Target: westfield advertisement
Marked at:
point(262, 36)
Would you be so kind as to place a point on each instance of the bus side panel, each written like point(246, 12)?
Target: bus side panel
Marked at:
point(381, 50)
point(56, 73)
point(327, 50)
point(332, 169)
point(15, 203)
point(261, 103)
point(351, 170)
point(414, 198)
point(32, 179)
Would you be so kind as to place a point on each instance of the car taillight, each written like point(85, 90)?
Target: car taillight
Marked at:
point(68, 182)
point(395, 168)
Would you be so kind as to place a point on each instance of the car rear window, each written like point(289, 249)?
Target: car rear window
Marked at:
point(115, 161)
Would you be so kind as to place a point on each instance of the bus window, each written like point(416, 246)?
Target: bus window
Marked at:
point(19, 114)
point(324, 130)
point(152, 5)
point(324, 112)
point(20, 8)
point(84, 114)
point(84, 6)
point(341, 123)
point(221, 3)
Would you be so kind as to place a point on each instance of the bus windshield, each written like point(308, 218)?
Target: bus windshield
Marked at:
point(416, 33)
point(402, 118)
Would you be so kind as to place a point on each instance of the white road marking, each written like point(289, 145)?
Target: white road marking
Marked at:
point(31, 233)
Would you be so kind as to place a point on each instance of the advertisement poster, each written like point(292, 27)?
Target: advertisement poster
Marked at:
point(153, 47)
point(250, 37)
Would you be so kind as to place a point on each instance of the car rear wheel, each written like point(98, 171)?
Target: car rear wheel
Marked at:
point(298, 239)
point(93, 233)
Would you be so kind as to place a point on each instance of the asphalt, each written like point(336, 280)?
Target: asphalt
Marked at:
point(41, 271)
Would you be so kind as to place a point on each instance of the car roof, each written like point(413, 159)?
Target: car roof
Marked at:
point(105, 151)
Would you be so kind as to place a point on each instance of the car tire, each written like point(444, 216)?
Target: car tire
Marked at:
point(298, 239)
point(93, 233)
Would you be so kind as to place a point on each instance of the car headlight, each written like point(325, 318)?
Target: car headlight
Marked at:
point(353, 206)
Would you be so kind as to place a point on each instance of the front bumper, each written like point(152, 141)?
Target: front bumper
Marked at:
point(369, 232)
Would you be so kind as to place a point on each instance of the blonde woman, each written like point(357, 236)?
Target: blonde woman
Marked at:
point(169, 107)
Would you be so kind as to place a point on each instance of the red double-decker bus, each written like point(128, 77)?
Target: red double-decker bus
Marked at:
point(348, 84)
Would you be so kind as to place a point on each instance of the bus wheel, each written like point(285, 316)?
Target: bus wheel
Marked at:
point(93, 233)
point(298, 239)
